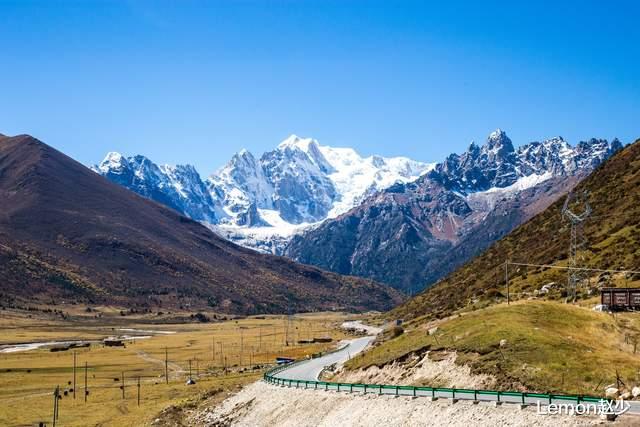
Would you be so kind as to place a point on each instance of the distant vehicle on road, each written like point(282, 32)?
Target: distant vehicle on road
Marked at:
point(284, 360)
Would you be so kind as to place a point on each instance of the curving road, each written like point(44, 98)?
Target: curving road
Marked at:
point(310, 369)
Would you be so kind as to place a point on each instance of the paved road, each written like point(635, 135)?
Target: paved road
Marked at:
point(310, 370)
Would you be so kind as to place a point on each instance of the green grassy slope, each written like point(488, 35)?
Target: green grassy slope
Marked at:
point(550, 346)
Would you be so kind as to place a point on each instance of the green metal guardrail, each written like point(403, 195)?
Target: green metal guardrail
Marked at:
point(523, 398)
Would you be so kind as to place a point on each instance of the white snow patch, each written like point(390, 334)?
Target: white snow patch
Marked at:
point(356, 177)
point(521, 184)
point(112, 162)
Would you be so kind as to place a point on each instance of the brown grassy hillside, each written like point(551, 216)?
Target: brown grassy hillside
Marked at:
point(68, 234)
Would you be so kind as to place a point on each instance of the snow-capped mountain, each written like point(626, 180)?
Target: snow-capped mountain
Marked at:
point(262, 202)
point(497, 164)
point(178, 187)
point(412, 234)
point(298, 185)
point(391, 219)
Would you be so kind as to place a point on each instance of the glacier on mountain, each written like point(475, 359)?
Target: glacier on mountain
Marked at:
point(262, 202)
point(297, 186)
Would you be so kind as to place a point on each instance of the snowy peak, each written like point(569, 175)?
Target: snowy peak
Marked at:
point(178, 187)
point(553, 155)
point(241, 183)
point(416, 233)
point(473, 150)
point(261, 201)
point(113, 162)
point(302, 192)
point(302, 182)
point(297, 185)
point(499, 143)
point(242, 159)
point(356, 177)
point(497, 165)
point(294, 141)
point(304, 148)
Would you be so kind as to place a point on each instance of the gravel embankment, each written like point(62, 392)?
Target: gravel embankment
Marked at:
point(418, 371)
point(262, 404)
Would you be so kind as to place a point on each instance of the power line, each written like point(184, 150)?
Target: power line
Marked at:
point(561, 267)
point(616, 215)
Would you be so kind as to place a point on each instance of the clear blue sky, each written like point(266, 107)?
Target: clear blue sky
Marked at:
point(193, 82)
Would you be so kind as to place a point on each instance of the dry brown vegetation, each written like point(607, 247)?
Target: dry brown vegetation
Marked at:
point(223, 355)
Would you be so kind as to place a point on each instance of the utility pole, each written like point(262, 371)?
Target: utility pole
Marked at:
point(85, 382)
point(138, 390)
point(74, 375)
point(241, 344)
point(56, 394)
point(213, 349)
point(58, 397)
point(123, 385)
point(506, 280)
point(166, 365)
point(288, 323)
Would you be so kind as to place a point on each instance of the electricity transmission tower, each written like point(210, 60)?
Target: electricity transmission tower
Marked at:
point(577, 239)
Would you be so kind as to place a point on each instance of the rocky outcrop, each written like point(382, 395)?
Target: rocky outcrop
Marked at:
point(178, 187)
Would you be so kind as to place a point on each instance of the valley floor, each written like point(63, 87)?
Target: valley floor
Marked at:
point(244, 347)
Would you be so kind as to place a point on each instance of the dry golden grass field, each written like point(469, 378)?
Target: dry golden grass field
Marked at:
point(223, 355)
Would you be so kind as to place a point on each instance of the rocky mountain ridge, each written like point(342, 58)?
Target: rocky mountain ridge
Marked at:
point(395, 220)
point(412, 234)
point(611, 241)
point(261, 202)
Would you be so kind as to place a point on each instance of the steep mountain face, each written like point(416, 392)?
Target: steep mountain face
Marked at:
point(612, 242)
point(68, 234)
point(178, 187)
point(242, 186)
point(262, 202)
point(410, 235)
